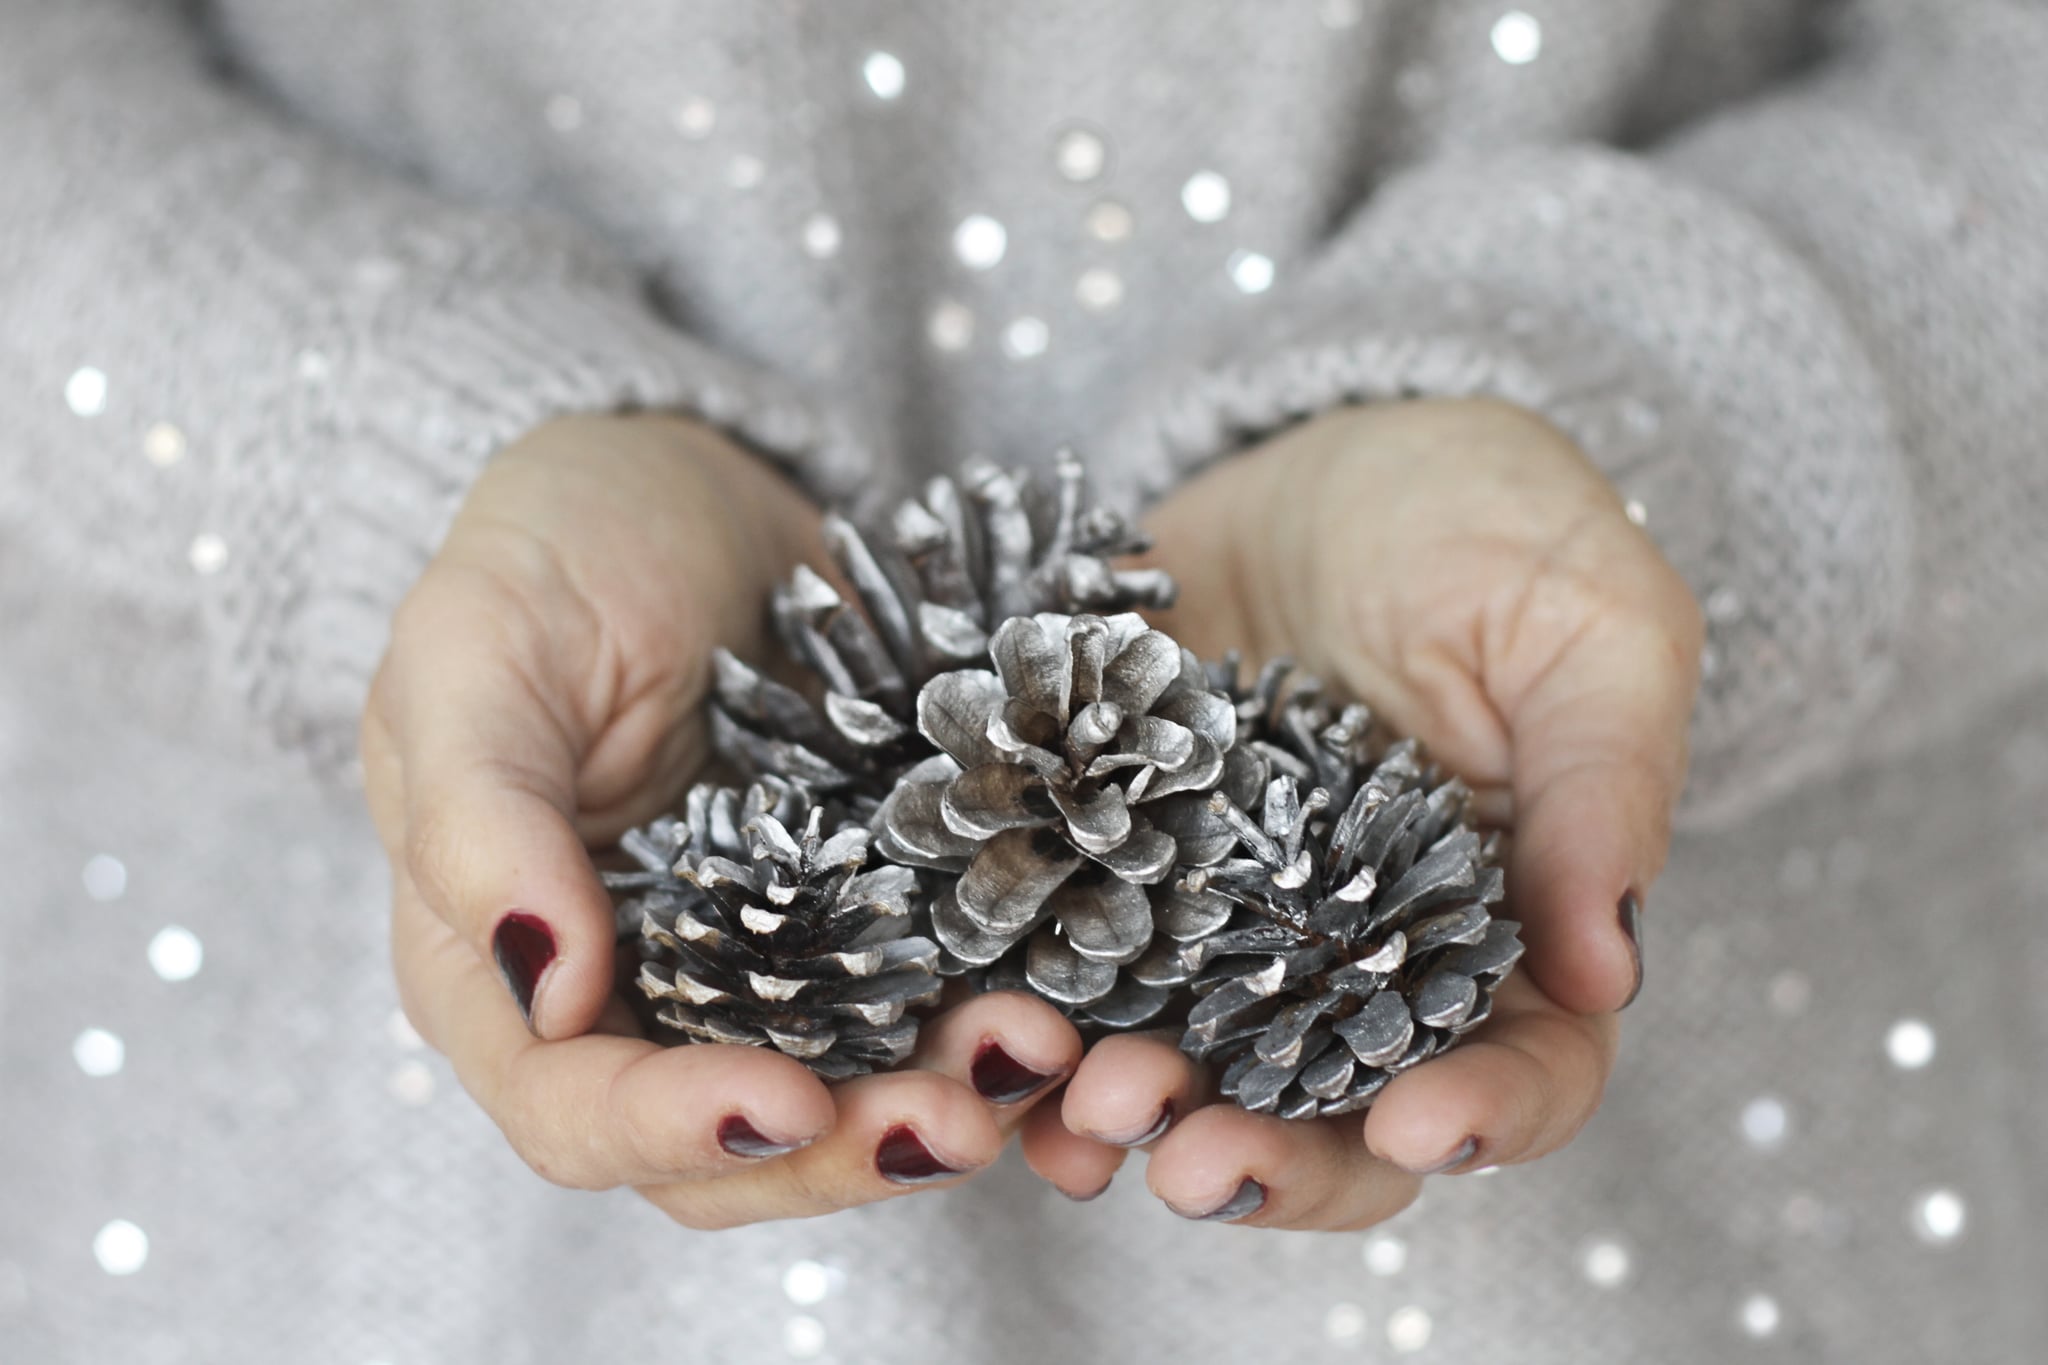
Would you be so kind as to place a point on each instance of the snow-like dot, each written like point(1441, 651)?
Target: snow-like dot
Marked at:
point(120, 1247)
point(175, 954)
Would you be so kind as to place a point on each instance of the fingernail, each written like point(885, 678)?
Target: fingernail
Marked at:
point(742, 1138)
point(1002, 1079)
point(1632, 927)
point(903, 1159)
point(1085, 1198)
point(1152, 1134)
point(1458, 1156)
point(1248, 1200)
point(524, 946)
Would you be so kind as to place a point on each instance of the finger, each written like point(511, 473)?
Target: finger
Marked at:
point(1006, 1046)
point(1225, 1164)
point(896, 1132)
point(489, 775)
point(1079, 1168)
point(1130, 1090)
point(1599, 761)
point(599, 1111)
point(1519, 1088)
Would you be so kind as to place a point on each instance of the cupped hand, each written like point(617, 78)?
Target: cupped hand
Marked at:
point(541, 694)
point(1460, 566)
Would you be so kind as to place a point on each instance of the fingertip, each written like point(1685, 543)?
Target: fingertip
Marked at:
point(1572, 880)
point(1078, 1168)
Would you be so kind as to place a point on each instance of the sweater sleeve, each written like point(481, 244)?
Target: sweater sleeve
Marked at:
point(1803, 335)
point(246, 376)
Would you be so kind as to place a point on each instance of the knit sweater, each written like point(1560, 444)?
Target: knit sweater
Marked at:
point(278, 279)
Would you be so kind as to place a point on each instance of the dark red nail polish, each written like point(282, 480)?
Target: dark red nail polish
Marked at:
point(524, 946)
point(741, 1138)
point(1002, 1079)
point(903, 1159)
point(1152, 1134)
point(1248, 1199)
point(1632, 925)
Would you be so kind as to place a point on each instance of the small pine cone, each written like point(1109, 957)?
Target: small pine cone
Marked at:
point(928, 588)
point(1072, 782)
point(754, 935)
point(1364, 944)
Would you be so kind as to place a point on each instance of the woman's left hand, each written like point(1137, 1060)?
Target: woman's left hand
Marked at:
point(1461, 567)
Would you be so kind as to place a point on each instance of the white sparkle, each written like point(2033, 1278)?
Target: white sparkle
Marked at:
point(175, 953)
point(1109, 221)
point(980, 241)
point(1517, 38)
point(1790, 993)
point(1251, 271)
point(1344, 1323)
point(86, 391)
point(744, 172)
point(1026, 338)
point(1341, 13)
point(1637, 513)
point(411, 1083)
point(1939, 1216)
point(313, 367)
point(99, 1053)
point(695, 117)
point(1759, 1315)
point(1099, 289)
point(1385, 1254)
point(1206, 197)
point(1408, 1330)
point(822, 237)
point(403, 1036)
point(1079, 155)
point(163, 445)
point(950, 326)
point(120, 1247)
point(1910, 1044)
point(1724, 604)
point(564, 113)
point(208, 553)
point(803, 1337)
point(883, 72)
point(1765, 1122)
point(806, 1283)
point(105, 877)
point(1605, 1263)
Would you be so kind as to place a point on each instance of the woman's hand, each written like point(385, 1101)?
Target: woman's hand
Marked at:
point(542, 692)
point(1460, 566)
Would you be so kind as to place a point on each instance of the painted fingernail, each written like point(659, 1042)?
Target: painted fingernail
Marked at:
point(524, 946)
point(903, 1159)
point(1085, 1198)
point(741, 1138)
point(1248, 1200)
point(1457, 1157)
point(1151, 1134)
point(1002, 1079)
point(1632, 925)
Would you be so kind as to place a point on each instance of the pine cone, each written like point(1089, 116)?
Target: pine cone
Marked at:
point(930, 586)
point(756, 936)
point(1364, 944)
point(1073, 781)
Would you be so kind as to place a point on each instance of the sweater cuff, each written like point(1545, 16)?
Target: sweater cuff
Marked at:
point(1688, 353)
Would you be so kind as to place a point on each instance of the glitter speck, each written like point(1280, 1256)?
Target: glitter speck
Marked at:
point(950, 326)
point(695, 117)
point(1080, 155)
point(99, 1053)
point(1605, 1263)
point(120, 1247)
point(1517, 38)
point(821, 237)
point(884, 74)
point(175, 953)
point(1385, 1254)
point(564, 113)
point(1409, 1329)
point(1759, 1315)
point(1910, 1044)
point(1099, 289)
point(1724, 604)
point(1637, 513)
point(1765, 1122)
point(980, 241)
point(105, 877)
point(806, 1283)
point(163, 445)
point(803, 1337)
point(744, 172)
point(313, 367)
point(1109, 221)
point(1344, 1323)
point(1938, 1216)
point(208, 553)
point(1206, 197)
point(411, 1083)
point(1251, 271)
point(86, 391)
point(1026, 338)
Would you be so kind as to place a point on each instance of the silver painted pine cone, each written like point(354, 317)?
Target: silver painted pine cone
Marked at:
point(1073, 783)
point(754, 934)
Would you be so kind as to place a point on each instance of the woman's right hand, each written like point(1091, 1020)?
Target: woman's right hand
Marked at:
point(541, 694)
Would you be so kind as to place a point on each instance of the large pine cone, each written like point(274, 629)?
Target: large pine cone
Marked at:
point(930, 587)
point(1365, 944)
point(1073, 782)
point(754, 935)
